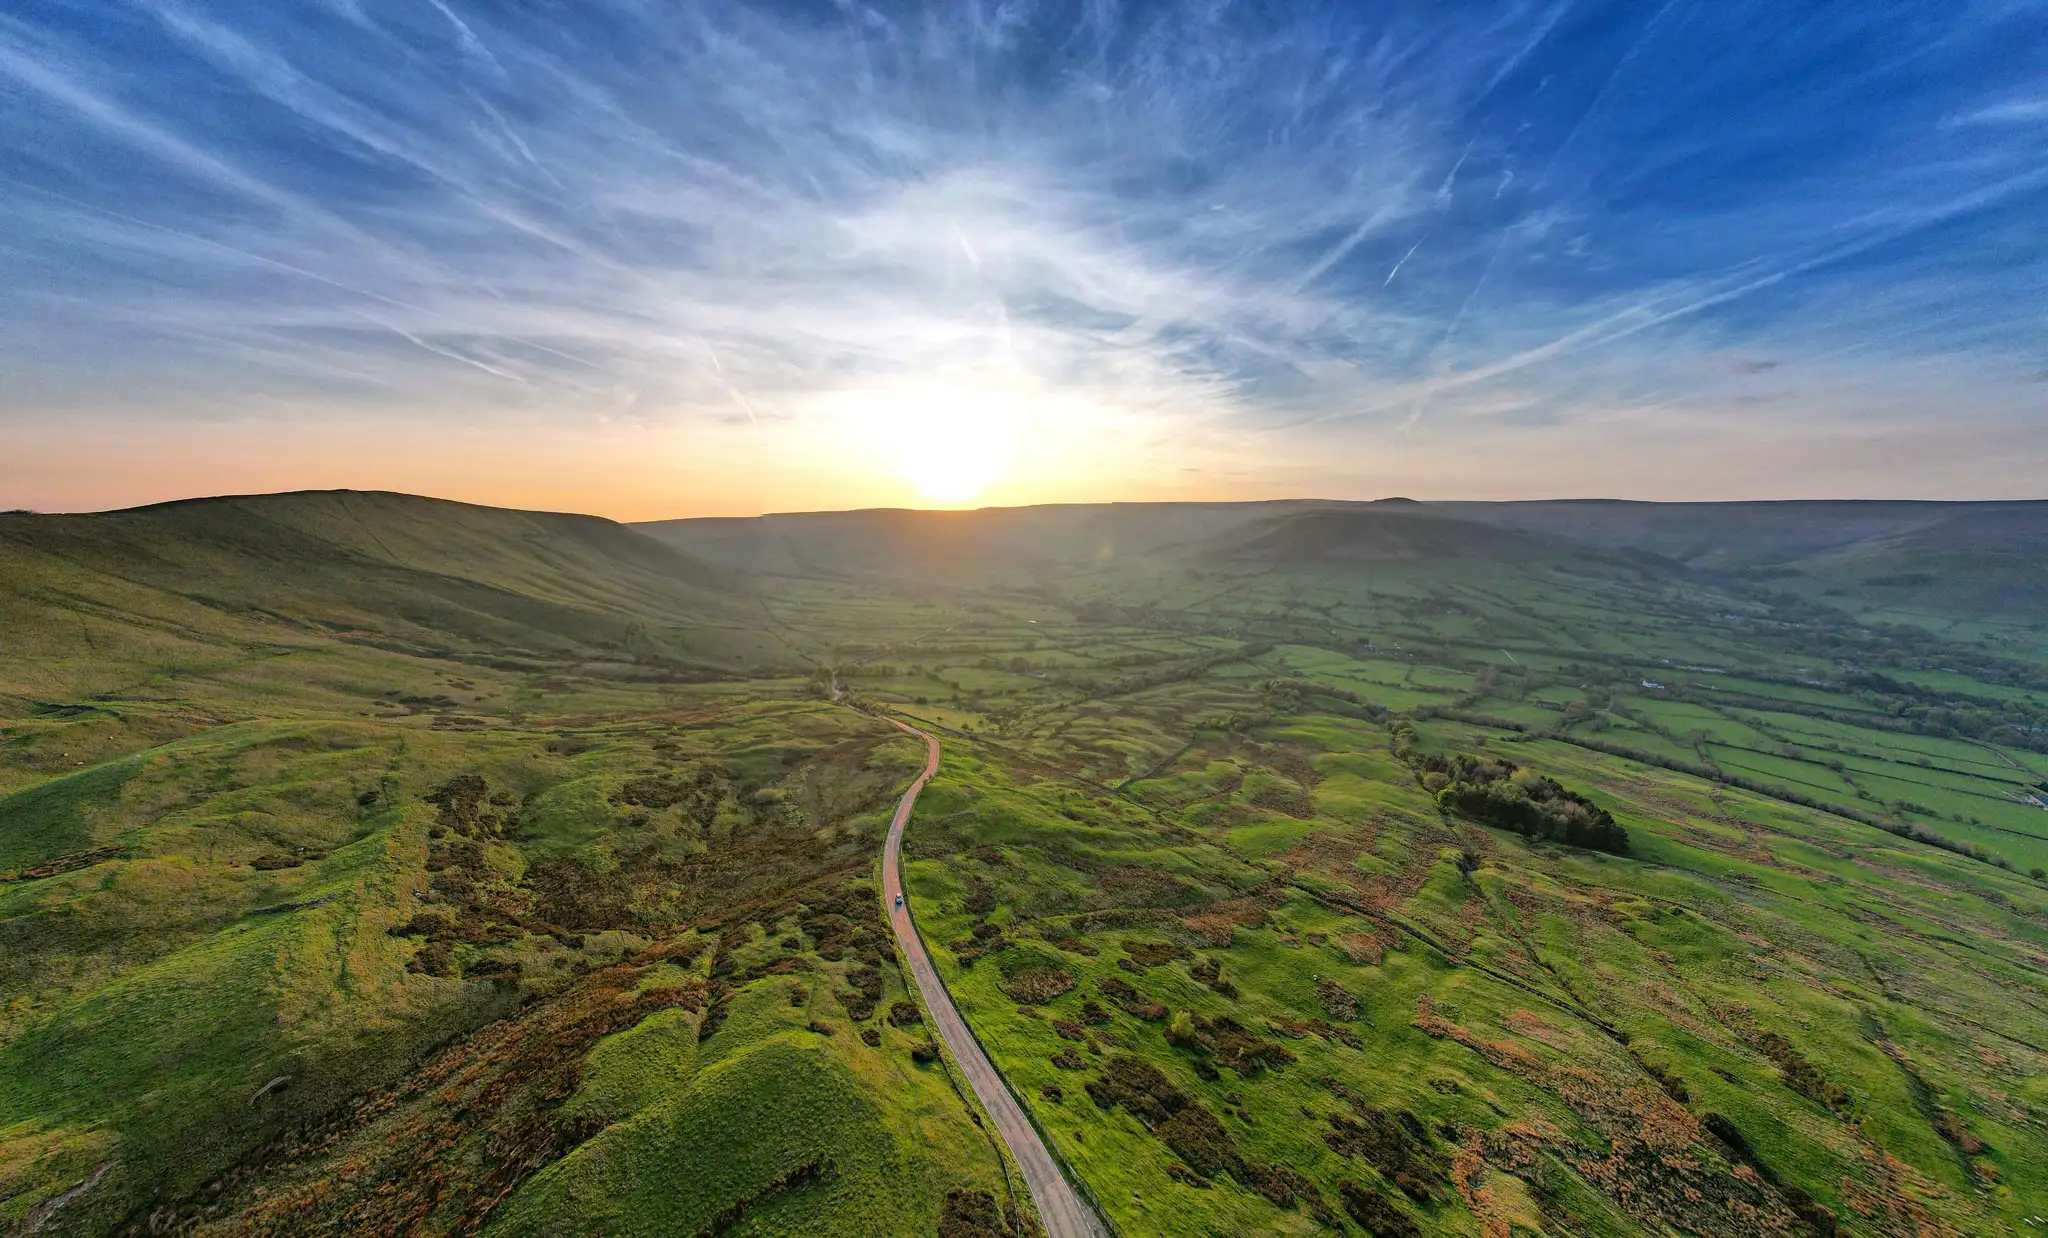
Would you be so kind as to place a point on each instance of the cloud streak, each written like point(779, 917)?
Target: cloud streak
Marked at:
point(1184, 220)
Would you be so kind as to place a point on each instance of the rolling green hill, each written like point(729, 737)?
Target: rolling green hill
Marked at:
point(1735, 536)
point(1392, 533)
point(1986, 570)
point(1915, 561)
point(410, 572)
point(338, 831)
point(992, 545)
point(372, 864)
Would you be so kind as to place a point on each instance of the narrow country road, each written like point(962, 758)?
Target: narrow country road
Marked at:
point(1059, 1205)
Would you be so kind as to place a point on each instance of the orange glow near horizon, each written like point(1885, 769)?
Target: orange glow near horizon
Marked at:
point(910, 447)
point(875, 452)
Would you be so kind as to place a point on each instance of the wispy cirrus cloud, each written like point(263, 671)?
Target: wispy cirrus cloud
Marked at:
point(1275, 233)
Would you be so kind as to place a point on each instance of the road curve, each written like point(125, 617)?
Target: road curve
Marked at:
point(1065, 1214)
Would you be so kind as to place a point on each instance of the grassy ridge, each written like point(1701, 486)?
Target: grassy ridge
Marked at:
point(140, 588)
point(255, 977)
point(377, 865)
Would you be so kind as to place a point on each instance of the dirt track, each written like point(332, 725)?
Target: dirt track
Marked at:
point(1065, 1214)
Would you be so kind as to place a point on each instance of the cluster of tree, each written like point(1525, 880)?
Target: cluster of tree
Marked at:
point(1500, 793)
point(1705, 768)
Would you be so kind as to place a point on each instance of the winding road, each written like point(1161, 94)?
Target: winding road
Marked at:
point(1060, 1207)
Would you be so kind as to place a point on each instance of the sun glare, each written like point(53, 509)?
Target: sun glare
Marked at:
point(949, 440)
point(952, 464)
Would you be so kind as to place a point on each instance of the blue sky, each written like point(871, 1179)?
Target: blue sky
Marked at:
point(656, 258)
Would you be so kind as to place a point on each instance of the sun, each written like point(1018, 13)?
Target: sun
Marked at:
point(950, 439)
point(952, 463)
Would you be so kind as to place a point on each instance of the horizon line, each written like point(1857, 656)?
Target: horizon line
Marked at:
point(1018, 507)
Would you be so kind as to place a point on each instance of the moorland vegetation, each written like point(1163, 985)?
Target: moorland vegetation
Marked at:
point(377, 865)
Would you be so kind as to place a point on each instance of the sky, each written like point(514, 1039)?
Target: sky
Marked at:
point(655, 258)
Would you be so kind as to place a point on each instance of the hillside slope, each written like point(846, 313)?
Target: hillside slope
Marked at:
point(1014, 543)
point(1734, 536)
point(361, 854)
point(1395, 533)
point(1905, 561)
point(156, 584)
point(1984, 571)
point(376, 865)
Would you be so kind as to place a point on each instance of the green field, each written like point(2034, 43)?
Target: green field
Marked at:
point(374, 865)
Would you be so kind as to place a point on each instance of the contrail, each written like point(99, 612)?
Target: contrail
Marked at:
point(1486, 272)
point(731, 388)
point(284, 267)
point(449, 353)
point(1528, 47)
point(973, 259)
point(518, 143)
point(1443, 191)
point(1404, 260)
point(1638, 318)
point(469, 40)
point(1336, 255)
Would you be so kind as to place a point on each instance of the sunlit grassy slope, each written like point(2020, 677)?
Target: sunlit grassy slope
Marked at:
point(338, 832)
point(100, 596)
point(376, 865)
point(1182, 828)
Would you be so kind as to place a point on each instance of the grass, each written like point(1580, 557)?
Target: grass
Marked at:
point(740, 1134)
point(1734, 904)
point(1182, 786)
point(223, 980)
